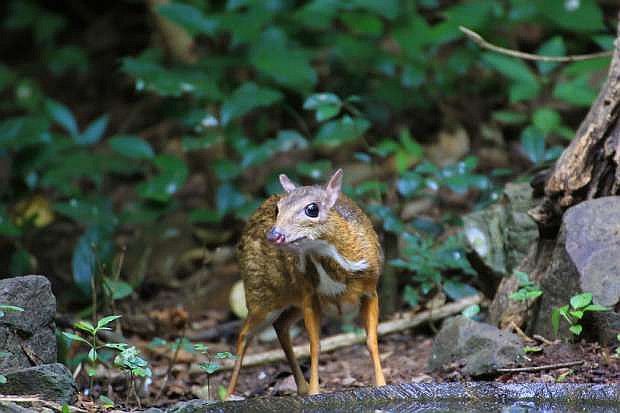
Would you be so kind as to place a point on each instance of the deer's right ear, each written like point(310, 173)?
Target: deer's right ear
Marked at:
point(286, 183)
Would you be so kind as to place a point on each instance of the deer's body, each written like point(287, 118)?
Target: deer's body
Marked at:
point(294, 265)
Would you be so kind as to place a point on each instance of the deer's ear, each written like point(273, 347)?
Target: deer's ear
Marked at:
point(333, 187)
point(286, 183)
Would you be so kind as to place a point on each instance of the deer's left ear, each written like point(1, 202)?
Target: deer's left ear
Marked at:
point(286, 183)
point(333, 188)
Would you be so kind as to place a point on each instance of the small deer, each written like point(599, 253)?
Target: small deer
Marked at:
point(305, 253)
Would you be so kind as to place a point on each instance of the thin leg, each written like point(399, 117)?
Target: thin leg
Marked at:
point(312, 321)
point(282, 326)
point(250, 325)
point(370, 317)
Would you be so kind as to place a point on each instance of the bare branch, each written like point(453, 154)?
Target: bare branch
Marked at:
point(529, 56)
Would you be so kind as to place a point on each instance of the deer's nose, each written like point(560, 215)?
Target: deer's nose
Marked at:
point(276, 236)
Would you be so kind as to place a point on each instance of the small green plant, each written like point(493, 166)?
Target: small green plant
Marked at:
point(532, 349)
point(5, 308)
point(574, 312)
point(92, 342)
point(471, 311)
point(211, 365)
point(618, 348)
point(129, 360)
point(527, 289)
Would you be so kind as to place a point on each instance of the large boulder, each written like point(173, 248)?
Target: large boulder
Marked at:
point(500, 235)
point(52, 382)
point(585, 259)
point(479, 348)
point(28, 337)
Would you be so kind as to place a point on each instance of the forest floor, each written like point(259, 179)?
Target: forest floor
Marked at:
point(405, 357)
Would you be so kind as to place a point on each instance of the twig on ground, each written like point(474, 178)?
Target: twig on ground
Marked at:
point(530, 56)
point(407, 321)
point(540, 368)
point(543, 339)
point(520, 332)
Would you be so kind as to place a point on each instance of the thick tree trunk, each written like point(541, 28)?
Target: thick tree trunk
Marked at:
point(588, 168)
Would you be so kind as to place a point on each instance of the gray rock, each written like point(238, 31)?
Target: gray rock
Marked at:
point(481, 348)
point(28, 334)
point(585, 259)
point(50, 381)
point(500, 235)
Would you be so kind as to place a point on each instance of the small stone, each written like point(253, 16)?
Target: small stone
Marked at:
point(479, 347)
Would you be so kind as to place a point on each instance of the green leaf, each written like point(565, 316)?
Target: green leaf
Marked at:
point(522, 278)
point(524, 84)
point(546, 120)
point(361, 23)
point(576, 329)
point(173, 173)
point(580, 300)
point(85, 326)
point(92, 245)
point(118, 289)
point(576, 91)
point(11, 308)
point(313, 102)
point(411, 296)
point(106, 401)
point(94, 132)
point(552, 47)
point(75, 337)
point(205, 215)
point(91, 371)
point(409, 184)
point(533, 144)
point(131, 147)
point(597, 308)
point(509, 117)
point(532, 349)
point(149, 75)
point(575, 16)
point(246, 98)
point(337, 132)
point(107, 320)
point(471, 311)
point(63, 116)
point(92, 354)
point(457, 290)
point(188, 17)
point(2, 379)
point(386, 8)
point(282, 61)
point(555, 321)
point(225, 355)
point(210, 367)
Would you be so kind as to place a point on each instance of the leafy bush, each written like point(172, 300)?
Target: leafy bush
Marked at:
point(320, 82)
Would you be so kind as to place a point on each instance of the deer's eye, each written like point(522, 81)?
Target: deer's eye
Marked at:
point(312, 210)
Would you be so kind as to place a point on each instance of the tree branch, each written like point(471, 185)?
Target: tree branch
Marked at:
point(529, 56)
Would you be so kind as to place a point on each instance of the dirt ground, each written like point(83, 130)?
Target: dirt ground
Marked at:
point(405, 358)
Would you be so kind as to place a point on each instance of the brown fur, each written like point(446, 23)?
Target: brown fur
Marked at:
point(273, 281)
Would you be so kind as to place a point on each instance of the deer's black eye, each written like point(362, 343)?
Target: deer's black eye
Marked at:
point(312, 210)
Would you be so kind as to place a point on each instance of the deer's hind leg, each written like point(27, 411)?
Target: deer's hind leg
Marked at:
point(370, 318)
point(254, 322)
point(282, 326)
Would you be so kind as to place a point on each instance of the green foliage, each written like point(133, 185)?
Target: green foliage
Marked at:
point(211, 365)
point(319, 84)
point(471, 311)
point(90, 332)
point(129, 360)
point(527, 289)
point(573, 312)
